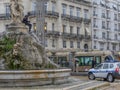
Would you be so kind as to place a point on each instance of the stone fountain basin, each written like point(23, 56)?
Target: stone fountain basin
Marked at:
point(33, 77)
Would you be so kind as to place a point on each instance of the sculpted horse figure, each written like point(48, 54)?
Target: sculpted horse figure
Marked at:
point(16, 9)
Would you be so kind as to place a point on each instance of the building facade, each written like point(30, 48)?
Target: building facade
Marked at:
point(106, 25)
point(67, 23)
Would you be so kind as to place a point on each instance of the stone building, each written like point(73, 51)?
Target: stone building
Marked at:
point(67, 23)
point(106, 25)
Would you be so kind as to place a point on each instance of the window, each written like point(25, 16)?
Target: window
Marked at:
point(103, 35)
point(78, 12)
point(7, 10)
point(114, 47)
point(111, 65)
point(46, 43)
point(98, 59)
point(33, 6)
point(71, 10)
point(53, 6)
point(94, 22)
point(53, 26)
point(64, 28)
point(103, 13)
point(78, 44)
point(108, 14)
point(64, 44)
point(103, 24)
point(115, 27)
point(108, 24)
point(115, 16)
point(105, 66)
point(64, 9)
point(71, 44)
point(46, 7)
point(87, 60)
point(116, 36)
point(53, 43)
point(78, 30)
point(94, 11)
point(86, 12)
point(71, 29)
point(99, 66)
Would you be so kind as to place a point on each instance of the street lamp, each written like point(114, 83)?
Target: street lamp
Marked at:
point(40, 20)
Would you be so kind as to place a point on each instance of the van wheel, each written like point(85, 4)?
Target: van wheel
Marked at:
point(91, 76)
point(110, 78)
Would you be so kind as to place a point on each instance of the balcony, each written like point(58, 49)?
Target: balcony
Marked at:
point(103, 27)
point(87, 21)
point(65, 16)
point(108, 28)
point(95, 26)
point(52, 33)
point(73, 36)
point(108, 38)
point(108, 17)
point(95, 37)
point(66, 35)
point(115, 29)
point(95, 14)
point(75, 19)
point(52, 14)
point(95, 3)
point(47, 14)
point(103, 16)
point(80, 36)
point(5, 16)
point(87, 37)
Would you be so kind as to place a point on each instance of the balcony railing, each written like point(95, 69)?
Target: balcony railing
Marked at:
point(71, 18)
point(5, 16)
point(47, 14)
point(87, 37)
point(95, 14)
point(75, 19)
point(86, 20)
point(52, 33)
point(80, 36)
point(95, 26)
point(52, 13)
point(103, 16)
point(65, 16)
point(65, 35)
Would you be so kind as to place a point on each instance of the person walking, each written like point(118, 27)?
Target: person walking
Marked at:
point(93, 63)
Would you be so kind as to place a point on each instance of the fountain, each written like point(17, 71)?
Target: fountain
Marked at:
point(23, 61)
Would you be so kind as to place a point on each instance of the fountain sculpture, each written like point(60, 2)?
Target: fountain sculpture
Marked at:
point(23, 61)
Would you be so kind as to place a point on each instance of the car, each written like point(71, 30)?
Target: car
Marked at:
point(107, 70)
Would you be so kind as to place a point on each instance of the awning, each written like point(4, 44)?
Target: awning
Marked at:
point(102, 2)
point(115, 7)
point(87, 31)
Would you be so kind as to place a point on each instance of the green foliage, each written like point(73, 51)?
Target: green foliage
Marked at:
point(6, 45)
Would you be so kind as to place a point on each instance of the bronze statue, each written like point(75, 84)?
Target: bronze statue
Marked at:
point(16, 9)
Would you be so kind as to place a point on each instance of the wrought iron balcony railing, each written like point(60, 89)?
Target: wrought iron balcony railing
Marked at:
point(47, 14)
point(5, 16)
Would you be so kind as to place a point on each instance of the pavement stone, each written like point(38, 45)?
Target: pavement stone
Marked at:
point(75, 83)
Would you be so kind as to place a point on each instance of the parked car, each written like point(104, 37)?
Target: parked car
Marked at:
point(108, 71)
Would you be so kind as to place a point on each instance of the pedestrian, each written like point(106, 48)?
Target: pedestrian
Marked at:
point(27, 22)
point(93, 63)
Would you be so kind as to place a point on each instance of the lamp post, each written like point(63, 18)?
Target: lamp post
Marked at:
point(40, 20)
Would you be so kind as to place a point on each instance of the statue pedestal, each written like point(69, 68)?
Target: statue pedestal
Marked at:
point(17, 28)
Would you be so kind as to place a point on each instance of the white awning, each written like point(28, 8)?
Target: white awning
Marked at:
point(102, 2)
point(114, 6)
point(87, 31)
